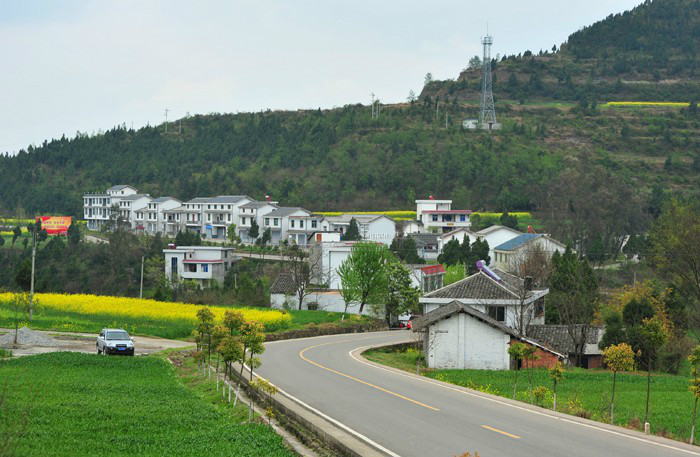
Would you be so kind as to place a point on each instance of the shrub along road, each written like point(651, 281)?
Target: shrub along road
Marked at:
point(414, 416)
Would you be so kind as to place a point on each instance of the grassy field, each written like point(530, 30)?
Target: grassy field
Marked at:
point(92, 318)
point(86, 405)
point(582, 392)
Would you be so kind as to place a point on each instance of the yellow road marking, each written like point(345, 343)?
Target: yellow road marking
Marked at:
point(301, 354)
point(501, 432)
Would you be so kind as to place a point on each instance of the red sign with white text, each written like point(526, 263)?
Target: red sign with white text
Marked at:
point(55, 225)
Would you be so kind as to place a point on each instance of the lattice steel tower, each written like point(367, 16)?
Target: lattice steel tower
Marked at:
point(487, 115)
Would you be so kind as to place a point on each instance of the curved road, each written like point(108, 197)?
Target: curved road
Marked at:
point(412, 416)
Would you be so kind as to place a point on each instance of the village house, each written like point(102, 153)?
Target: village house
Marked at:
point(155, 213)
point(559, 338)
point(97, 207)
point(371, 227)
point(438, 216)
point(202, 264)
point(253, 211)
point(470, 323)
point(510, 254)
point(292, 224)
point(427, 278)
point(426, 245)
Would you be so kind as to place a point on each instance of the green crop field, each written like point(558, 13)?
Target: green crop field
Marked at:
point(582, 392)
point(70, 404)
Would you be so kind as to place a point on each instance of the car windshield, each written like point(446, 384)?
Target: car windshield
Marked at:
point(117, 336)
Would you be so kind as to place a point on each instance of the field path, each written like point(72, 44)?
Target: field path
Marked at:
point(85, 342)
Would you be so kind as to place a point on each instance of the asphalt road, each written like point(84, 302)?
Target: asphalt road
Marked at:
point(410, 416)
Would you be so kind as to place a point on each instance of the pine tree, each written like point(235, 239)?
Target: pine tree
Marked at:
point(254, 230)
point(353, 232)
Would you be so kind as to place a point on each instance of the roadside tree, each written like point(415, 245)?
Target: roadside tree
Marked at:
point(694, 359)
point(517, 353)
point(556, 374)
point(618, 357)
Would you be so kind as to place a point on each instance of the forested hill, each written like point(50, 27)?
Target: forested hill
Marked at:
point(342, 159)
point(649, 53)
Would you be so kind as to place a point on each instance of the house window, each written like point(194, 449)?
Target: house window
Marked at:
point(462, 218)
point(228, 217)
point(539, 307)
point(205, 268)
point(291, 223)
point(497, 312)
point(243, 221)
point(267, 221)
point(435, 218)
point(313, 224)
point(301, 224)
point(447, 218)
point(275, 222)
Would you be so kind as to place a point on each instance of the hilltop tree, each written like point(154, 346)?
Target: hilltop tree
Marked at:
point(73, 234)
point(474, 63)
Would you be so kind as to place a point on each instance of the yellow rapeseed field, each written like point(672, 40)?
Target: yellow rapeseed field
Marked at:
point(673, 104)
point(145, 308)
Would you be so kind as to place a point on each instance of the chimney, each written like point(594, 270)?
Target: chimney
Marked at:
point(267, 198)
point(431, 197)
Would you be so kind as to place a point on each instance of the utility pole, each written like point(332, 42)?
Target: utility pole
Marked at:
point(141, 288)
point(180, 128)
point(31, 290)
point(372, 105)
point(437, 113)
point(445, 119)
point(166, 120)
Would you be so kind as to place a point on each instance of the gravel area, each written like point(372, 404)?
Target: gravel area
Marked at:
point(27, 337)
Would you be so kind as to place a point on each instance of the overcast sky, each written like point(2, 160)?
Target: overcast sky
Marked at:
point(84, 66)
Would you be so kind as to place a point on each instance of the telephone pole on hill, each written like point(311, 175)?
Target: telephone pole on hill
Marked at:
point(166, 120)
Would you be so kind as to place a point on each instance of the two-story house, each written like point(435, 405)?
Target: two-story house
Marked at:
point(438, 215)
point(203, 264)
point(220, 212)
point(292, 224)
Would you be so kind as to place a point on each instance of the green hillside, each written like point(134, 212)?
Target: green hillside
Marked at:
point(341, 159)
point(649, 53)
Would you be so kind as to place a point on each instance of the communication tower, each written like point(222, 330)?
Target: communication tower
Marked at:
point(487, 114)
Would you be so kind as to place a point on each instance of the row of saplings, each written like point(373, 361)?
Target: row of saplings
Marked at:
point(617, 357)
point(235, 340)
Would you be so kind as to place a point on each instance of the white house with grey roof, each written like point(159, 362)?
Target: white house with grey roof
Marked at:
point(292, 224)
point(501, 295)
point(253, 211)
point(510, 254)
point(439, 217)
point(372, 227)
point(155, 214)
point(131, 209)
point(97, 207)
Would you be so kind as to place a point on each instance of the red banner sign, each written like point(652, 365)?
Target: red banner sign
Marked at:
point(55, 225)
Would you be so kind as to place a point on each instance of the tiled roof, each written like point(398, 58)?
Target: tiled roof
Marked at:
point(454, 232)
point(199, 200)
point(135, 197)
point(559, 338)
point(493, 228)
point(285, 211)
point(425, 238)
point(257, 204)
point(284, 284)
point(516, 242)
point(227, 199)
point(119, 187)
point(164, 199)
point(478, 286)
point(455, 307)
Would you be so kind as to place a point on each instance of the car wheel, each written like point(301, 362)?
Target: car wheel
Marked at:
point(98, 350)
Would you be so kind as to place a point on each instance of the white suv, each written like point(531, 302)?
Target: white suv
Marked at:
point(114, 341)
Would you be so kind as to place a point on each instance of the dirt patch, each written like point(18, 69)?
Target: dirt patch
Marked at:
point(27, 337)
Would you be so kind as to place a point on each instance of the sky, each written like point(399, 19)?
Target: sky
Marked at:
point(87, 66)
